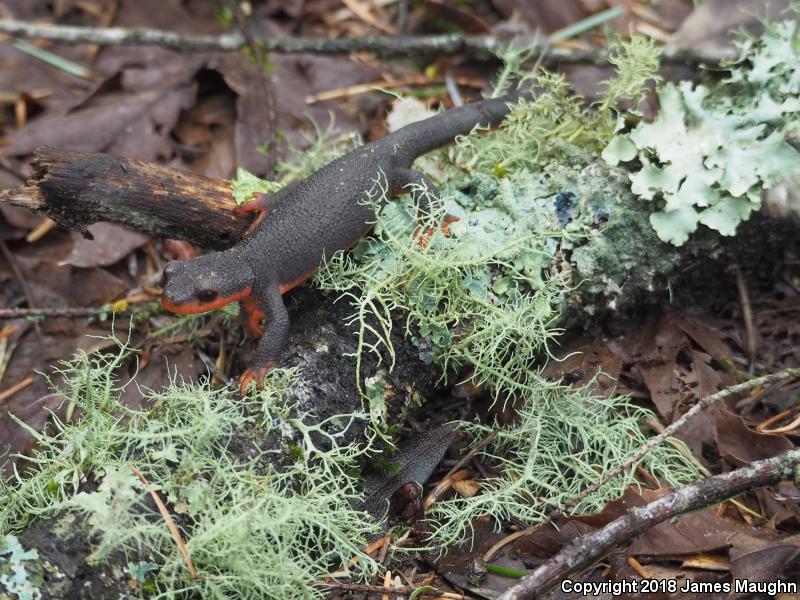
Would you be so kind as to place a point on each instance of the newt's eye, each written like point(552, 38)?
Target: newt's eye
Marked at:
point(207, 295)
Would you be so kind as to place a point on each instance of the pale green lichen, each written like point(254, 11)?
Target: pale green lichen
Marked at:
point(533, 214)
point(535, 128)
point(489, 295)
point(14, 576)
point(562, 441)
point(245, 184)
point(476, 297)
point(710, 152)
point(263, 524)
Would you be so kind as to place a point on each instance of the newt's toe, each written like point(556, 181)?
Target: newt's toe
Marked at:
point(423, 237)
point(256, 375)
point(445, 226)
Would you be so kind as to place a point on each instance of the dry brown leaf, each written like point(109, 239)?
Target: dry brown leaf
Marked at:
point(739, 444)
point(467, 487)
point(111, 244)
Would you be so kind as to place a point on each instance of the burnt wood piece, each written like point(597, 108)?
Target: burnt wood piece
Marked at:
point(76, 189)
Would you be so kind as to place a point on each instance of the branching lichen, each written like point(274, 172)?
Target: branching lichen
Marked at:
point(563, 440)
point(474, 298)
point(535, 129)
point(256, 526)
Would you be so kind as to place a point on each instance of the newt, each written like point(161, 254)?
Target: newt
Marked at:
point(308, 220)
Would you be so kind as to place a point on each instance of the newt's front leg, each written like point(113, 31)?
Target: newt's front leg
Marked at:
point(273, 340)
point(251, 315)
point(261, 204)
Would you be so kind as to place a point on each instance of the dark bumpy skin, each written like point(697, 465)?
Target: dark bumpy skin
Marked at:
point(307, 221)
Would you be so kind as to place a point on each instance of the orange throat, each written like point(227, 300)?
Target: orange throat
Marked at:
point(195, 306)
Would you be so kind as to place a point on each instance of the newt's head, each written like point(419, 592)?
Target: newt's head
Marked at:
point(205, 283)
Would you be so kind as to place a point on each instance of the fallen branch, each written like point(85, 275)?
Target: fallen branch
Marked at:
point(55, 312)
point(586, 550)
point(76, 189)
point(383, 46)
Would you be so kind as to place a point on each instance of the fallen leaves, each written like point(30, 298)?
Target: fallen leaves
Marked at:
point(109, 244)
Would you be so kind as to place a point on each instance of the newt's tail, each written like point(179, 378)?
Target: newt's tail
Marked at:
point(439, 130)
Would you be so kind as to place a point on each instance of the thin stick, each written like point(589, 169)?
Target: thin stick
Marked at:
point(173, 529)
point(671, 429)
point(42, 229)
point(15, 270)
point(472, 452)
point(384, 46)
point(750, 336)
point(763, 427)
point(67, 313)
point(387, 584)
point(383, 84)
point(587, 549)
point(18, 387)
point(362, 12)
point(402, 591)
point(244, 23)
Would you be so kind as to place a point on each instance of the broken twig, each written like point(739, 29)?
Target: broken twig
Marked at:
point(384, 46)
point(173, 529)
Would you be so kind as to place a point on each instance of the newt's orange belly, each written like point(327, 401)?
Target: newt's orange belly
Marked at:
point(290, 285)
point(190, 308)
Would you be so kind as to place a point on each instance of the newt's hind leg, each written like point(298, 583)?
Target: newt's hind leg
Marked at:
point(271, 343)
point(261, 204)
point(422, 188)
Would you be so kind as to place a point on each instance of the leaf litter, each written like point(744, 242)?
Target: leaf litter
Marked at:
point(146, 109)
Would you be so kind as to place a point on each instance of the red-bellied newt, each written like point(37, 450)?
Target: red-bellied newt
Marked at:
point(308, 220)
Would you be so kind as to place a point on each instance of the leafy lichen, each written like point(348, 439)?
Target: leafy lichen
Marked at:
point(706, 158)
point(14, 564)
